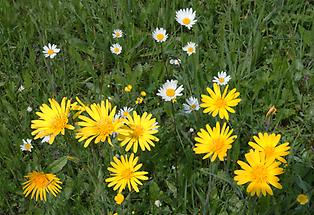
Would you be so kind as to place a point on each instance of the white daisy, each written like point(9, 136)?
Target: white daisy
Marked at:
point(222, 78)
point(116, 48)
point(160, 35)
point(186, 17)
point(124, 112)
point(27, 145)
point(21, 88)
point(45, 139)
point(190, 48)
point(169, 90)
point(51, 50)
point(29, 109)
point(157, 203)
point(191, 105)
point(175, 61)
point(117, 33)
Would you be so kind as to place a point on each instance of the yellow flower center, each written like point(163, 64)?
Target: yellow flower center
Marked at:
point(59, 123)
point(220, 103)
point(125, 113)
point(259, 174)
point(116, 50)
point(39, 180)
point(105, 127)
point(193, 106)
point(50, 52)
point(186, 21)
point(117, 34)
point(138, 131)
point(127, 174)
point(302, 199)
point(160, 37)
point(221, 80)
point(190, 49)
point(269, 151)
point(28, 146)
point(218, 145)
point(170, 92)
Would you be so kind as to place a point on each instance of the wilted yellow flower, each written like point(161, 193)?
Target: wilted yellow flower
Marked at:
point(139, 100)
point(119, 198)
point(128, 88)
point(272, 110)
point(303, 199)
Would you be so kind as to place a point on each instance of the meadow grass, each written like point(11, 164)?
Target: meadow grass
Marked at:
point(266, 47)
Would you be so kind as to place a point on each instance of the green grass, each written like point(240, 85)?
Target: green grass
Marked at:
point(266, 46)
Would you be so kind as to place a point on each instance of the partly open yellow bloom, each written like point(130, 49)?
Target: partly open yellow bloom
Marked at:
point(40, 183)
point(138, 130)
point(52, 120)
point(214, 142)
point(124, 172)
point(302, 199)
point(218, 103)
point(260, 172)
point(100, 124)
point(119, 198)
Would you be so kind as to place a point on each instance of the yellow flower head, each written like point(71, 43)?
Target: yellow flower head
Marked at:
point(119, 198)
point(52, 120)
point(128, 88)
point(214, 142)
point(260, 172)
point(272, 110)
point(100, 124)
point(303, 199)
point(143, 93)
point(218, 103)
point(124, 172)
point(40, 183)
point(268, 144)
point(138, 130)
point(139, 100)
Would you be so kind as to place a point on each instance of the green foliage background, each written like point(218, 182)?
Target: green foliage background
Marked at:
point(266, 46)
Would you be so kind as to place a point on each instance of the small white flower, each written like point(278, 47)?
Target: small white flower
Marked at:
point(21, 88)
point(29, 109)
point(160, 35)
point(27, 145)
point(116, 49)
point(175, 61)
point(186, 17)
point(191, 105)
point(45, 139)
point(169, 90)
point(191, 130)
point(157, 203)
point(190, 48)
point(117, 33)
point(51, 50)
point(173, 167)
point(222, 78)
point(124, 112)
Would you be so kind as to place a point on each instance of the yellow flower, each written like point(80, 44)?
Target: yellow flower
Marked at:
point(78, 106)
point(217, 103)
point(100, 125)
point(138, 130)
point(40, 183)
point(52, 120)
point(259, 172)
point(128, 88)
point(272, 110)
point(214, 142)
point(119, 198)
point(143, 93)
point(139, 100)
point(268, 144)
point(125, 172)
point(303, 199)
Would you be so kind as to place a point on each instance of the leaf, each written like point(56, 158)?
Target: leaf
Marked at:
point(57, 165)
point(172, 188)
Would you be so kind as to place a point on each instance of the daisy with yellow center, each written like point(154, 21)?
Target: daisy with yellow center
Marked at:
point(222, 78)
point(116, 49)
point(100, 124)
point(124, 112)
point(119, 198)
point(191, 105)
point(259, 172)
point(214, 142)
point(269, 144)
point(39, 184)
point(218, 103)
point(186, 17)
point(124, 172)
point(160, 35)
point(170, 90)
point(117, 33)
point(51, 50)
point(190, 48)
point(138, 130)
point(52, 120)
point(302, 199)
point(27, 145)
